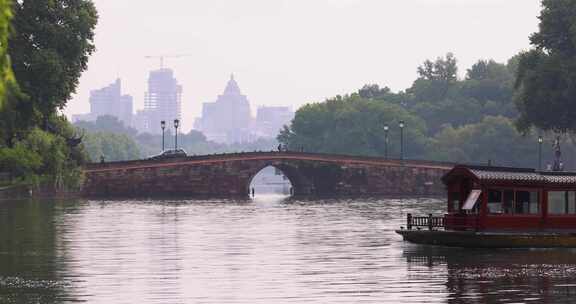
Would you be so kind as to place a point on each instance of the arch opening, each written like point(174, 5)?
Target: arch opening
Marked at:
point(270, 180)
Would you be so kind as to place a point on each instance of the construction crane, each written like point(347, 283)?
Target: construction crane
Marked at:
point(161, 57)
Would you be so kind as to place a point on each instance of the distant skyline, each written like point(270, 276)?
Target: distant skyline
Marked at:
point(291, 52)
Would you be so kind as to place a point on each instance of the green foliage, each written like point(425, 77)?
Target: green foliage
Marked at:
point(443, 69)
point(195, 143)
point(11, 121)
point(6, 76)
point(486, 91)
point(49, 50)
point(111, 146)
point(493, 139)
point(17, 117)
point(488, 80)
point(106, 124)
point(58, 167)
point(108, 137)
point(352, 125)
point(42, 157)
point(546, 75)
point(468, 120)
point(435, 79)
point(20, 162)
point(373, 91)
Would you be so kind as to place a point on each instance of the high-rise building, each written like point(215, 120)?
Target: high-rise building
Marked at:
point(140, 121)
point(271, 119)
point(228, 119)
point(109, 101)
point(163, 101)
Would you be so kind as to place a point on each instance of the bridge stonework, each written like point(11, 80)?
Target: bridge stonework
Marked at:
point(231, 174)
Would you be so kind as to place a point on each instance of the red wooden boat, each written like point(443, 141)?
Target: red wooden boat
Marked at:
point(501, 207)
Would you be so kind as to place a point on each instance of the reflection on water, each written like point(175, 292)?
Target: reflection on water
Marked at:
point(500, 276)
point(272, 249)
point(29, 261)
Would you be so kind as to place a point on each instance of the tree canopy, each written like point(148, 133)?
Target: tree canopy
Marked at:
point(107, 136)
point(442, 69)
point(546, 76)
point(106, 124)
point(49, 48)
point(352, 125)
point(449, 119)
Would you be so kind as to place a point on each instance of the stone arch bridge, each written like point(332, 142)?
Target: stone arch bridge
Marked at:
point(231, 174)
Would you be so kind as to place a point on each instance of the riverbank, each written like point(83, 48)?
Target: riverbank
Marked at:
point(19, 192)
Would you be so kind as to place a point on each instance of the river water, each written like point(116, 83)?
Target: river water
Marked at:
point(267, 250)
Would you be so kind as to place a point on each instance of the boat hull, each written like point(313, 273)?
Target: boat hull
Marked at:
point(477, 239)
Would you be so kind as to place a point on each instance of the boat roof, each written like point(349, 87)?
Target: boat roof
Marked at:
point(490, 174)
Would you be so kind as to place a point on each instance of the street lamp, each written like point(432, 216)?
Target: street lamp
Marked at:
point(163, 126)
point(386, 129)
point(540, 152)
point(401, 125)
point(176, 125)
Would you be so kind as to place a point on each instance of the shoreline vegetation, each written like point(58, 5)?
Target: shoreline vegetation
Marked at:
point(44, 49)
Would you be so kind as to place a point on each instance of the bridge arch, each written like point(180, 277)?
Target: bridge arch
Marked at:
point(301, 184)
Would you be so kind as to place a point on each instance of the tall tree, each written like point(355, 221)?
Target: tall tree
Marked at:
point(435, 78)
point(489, 81)
point(443, 69)
point(49, 49)
point(546, 75)
point(354, 125)
point(489, 70)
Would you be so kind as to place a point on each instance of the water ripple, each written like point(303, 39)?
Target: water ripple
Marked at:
point(267, 250)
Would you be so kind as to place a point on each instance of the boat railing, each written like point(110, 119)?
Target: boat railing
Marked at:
point(429, 221)
point(446, 222)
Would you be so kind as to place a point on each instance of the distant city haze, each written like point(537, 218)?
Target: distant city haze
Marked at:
point(291, 52)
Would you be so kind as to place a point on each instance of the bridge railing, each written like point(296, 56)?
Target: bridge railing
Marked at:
point(100, 165)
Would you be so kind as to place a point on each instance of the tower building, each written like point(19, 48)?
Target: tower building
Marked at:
point(228, 119)
point(163, 101)
point(109, 101)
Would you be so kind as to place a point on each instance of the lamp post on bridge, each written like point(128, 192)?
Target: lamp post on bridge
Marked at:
point(386, 129)
point(176, 125)
point(540, 152)
point(401, 124)
point(163, 126)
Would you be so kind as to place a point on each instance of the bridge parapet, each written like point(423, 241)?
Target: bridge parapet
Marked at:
point(273, 154)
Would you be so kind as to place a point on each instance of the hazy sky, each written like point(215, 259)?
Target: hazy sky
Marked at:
point(290, 52)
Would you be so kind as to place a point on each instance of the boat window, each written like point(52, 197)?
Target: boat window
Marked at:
point(454, 202)
point(527, 202)
point(561, 202)
point(508, 201)
point(472, 200)
point(495, 201)
point(513, 202)
point(571, 206)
